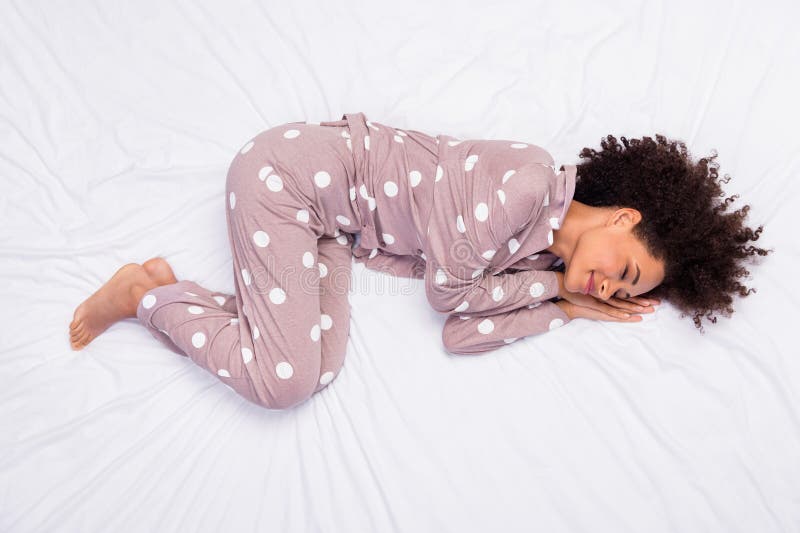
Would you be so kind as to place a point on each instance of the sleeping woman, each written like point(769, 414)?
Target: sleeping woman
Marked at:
point(508, 245)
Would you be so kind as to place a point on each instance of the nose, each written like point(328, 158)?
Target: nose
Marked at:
point(603, 292)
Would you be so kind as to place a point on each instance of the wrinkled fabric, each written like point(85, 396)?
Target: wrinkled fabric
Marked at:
point(472, 217)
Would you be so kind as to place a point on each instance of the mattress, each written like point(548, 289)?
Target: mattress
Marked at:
point(117, 124)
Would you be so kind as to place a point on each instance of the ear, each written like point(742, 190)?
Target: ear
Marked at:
point(625, 217)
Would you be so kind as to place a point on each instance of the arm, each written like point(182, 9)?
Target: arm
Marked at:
point(480, 334)
point(405, 266)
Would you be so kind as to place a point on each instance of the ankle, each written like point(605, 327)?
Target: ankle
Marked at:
point(138, 290)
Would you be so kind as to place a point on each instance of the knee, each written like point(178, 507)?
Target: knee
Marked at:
point(287, 395)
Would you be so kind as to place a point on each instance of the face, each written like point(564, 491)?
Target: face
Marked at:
point(618, 261)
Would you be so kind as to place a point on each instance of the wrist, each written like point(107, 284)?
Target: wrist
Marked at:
point(561, 290)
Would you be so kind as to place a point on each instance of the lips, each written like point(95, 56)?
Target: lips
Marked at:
point(589, 284)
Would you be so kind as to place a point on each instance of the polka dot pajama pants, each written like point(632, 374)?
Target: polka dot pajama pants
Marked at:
point(282, 336)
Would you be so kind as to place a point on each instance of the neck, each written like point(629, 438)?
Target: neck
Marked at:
point(579, 218)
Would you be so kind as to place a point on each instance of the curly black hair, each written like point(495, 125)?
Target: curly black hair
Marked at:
point(683, 223)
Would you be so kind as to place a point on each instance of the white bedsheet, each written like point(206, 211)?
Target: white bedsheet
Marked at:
point(117, 124)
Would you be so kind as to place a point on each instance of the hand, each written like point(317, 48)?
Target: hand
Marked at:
point(577, 305)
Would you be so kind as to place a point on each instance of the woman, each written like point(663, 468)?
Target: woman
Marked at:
point(508, 246)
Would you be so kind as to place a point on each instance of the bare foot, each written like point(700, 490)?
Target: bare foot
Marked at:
point(159, 271)
point(114, 301)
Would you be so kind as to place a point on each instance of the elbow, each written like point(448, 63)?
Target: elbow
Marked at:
point(455, 338)
point(441, 300)
point(450, 342)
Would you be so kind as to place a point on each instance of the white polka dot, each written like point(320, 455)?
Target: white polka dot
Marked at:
point(326, 378)
point(190, 293)
point(325, 321)
point(470, 162)
point(264, 172)
point(246, 147)
point(441, 276)
point(274, 183)
point(537, 304)
point(223, 373)
point(343, 220)
point(308, 259)
point(363, 192)
point(195, 309)
point(371, 204)
point(256, 333)
point(537, 289)
point(556, 323)
point(198, 339)
point(550, 237)
point(477, 272)
point(453, 143)
point(371, 125)
point(390, 188)
point(414, 177)
point(465, 317)
point(284, 370)
point(232, 199)
point(554, 222)
point(401, 132)
point(486, 326)
point(509, 341)
point(366, 142)
point(488, 254)
point(277, 295)
point(244, 310)
point(148, 301)
point(482, 211)
point(546, 199)
point(439, 172)
point(291, 134)
point(261, 238)
point(247, 355)
point(502, 195)
point(373, 253)
point(497, 293)
point(342, 239)
point(315, 332)
point(323, 270)
point(398, 138)
point(219, 299)
point(533, 257)
point(463, 306)
point(388, 238)
point(302, 215)
point(513, 245)
point(460, 224)
point(234, 321)
point(245, 276)
point(345, 134)
point(422, 255)
point(352, 193)
point(349, 144)
point(322, 179)
point(519, 145)
point(508, 175)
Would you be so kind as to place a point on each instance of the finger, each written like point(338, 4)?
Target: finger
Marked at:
point(615, 316)
point(610, 310)
point(647, 300)
point(629, 305)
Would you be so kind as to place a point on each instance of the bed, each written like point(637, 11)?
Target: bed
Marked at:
point(117, 123)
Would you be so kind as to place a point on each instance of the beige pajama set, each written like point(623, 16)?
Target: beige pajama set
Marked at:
point(470, 217)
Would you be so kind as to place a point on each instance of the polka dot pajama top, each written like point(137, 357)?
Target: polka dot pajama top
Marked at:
point(471, 217)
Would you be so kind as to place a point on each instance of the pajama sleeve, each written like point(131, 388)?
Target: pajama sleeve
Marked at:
point(404, 266)
point(457, 268)
point(479, 334)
